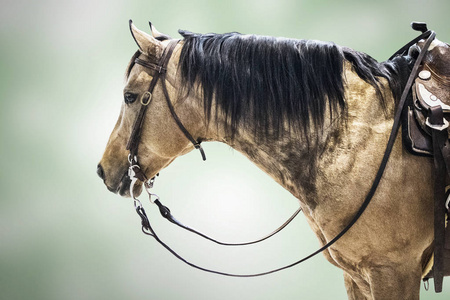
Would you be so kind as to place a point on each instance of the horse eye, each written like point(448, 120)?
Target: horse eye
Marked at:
point(129, 98)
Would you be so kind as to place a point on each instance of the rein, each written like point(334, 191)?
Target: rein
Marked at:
point(135, 173)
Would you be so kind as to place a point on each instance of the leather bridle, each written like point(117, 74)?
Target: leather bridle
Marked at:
point(135, 172)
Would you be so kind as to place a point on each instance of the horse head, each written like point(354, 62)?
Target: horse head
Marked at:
point(156, 132)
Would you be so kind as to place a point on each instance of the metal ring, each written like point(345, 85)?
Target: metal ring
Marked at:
point(150, 195)
point(149, 183)
point(149, 98)
point(132, 184)
point(130, 159)
point(137, 203)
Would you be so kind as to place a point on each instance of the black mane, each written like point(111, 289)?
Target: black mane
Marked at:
point(264, 82)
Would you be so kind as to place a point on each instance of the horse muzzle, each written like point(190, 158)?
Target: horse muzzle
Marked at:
point(120, 186)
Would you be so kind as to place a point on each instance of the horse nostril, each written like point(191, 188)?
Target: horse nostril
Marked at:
point(100, 171)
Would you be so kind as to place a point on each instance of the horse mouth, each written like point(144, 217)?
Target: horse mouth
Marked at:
point(125, 185)
point(123, 188)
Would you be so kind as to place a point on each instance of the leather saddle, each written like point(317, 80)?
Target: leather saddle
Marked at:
point(431, 89)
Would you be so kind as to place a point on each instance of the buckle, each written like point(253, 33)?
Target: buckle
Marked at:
point(437, 127)
point(160, 69)
point(148, 95)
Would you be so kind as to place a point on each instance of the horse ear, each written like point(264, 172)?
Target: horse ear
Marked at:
point(158, 35)
point(146, 43)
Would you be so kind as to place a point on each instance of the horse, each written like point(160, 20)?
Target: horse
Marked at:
point(314, 116)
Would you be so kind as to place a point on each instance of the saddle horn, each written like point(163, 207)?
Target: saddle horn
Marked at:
point(419, 26)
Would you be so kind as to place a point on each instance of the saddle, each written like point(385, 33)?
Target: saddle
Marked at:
point(431, 88)
point(425, 131)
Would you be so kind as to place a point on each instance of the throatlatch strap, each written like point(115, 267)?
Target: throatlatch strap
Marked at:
point(183, 129)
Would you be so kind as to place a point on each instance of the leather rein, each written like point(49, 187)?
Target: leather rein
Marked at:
point(135, 173)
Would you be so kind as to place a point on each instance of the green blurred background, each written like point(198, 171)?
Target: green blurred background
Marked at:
point(64, 236)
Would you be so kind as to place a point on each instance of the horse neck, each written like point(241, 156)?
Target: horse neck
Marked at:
point(289, 158)
point(294, 161)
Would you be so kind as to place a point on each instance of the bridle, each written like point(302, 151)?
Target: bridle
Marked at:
point(135, 173)
point(133, 143)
